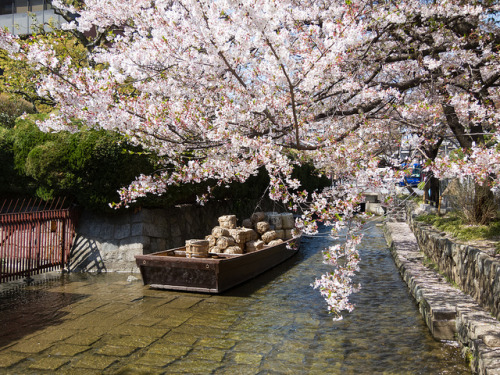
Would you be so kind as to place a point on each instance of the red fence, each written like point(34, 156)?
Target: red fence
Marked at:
point(35, 236)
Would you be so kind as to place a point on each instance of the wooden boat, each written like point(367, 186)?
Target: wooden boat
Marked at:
point(172, 270)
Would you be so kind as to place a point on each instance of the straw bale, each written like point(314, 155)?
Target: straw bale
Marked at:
point(227, 221)
point(289, 234)
point(269, 236)
point(233, 250)
point(247, 223)
point(211, 240)
point(242, 235)
point(251, 246)
point(262, 227)
point(280, 233)
point(258, 216)
point(225, 242)
point(254, 236)
point(288, 220)
point(215, 249)
point(218, 232)
point(275, 242)
point(275, 220)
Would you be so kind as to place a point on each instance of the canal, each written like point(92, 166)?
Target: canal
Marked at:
point(275, 324)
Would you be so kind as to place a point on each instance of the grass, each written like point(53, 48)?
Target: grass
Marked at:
point(415, 198)
point(453, 224)
point(433, 266)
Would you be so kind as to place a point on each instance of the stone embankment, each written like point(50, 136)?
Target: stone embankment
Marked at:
point(476, 271)
point(449, 313)
point(108, 243)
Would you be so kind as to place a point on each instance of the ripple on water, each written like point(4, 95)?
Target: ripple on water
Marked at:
point(274, 324)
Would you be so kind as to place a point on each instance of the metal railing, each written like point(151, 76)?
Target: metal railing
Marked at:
point(35, 236)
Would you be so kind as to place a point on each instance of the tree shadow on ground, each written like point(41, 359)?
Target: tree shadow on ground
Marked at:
point(26, 311)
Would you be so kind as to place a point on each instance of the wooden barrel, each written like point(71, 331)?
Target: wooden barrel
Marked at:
point(197, 248)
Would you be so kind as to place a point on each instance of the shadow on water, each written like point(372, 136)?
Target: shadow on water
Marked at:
point(26, 309)
point(250, 287)
point(260, 281)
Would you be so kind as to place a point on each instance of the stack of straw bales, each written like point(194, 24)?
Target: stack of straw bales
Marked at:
point(257, 232)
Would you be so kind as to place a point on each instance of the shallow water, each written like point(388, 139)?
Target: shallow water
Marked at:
point(274, 324)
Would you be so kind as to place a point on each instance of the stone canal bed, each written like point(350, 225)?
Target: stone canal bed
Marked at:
point(275, 324)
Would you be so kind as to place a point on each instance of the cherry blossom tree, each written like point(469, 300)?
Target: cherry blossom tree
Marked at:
point(7, 42)
point(222, 88)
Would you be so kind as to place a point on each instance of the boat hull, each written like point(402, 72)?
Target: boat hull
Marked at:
point(171, 270)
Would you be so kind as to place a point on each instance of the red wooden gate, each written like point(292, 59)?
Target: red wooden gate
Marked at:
point(35, 236)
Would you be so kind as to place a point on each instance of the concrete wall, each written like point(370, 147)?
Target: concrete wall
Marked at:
point(475, 271)
point(109, 242)
point(22, 23)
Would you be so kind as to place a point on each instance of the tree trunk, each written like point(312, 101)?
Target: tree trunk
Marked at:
point(431, 190)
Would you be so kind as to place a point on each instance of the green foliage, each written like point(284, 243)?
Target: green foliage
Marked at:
point(92, 165)
point(12, 107)
point(469, 356)
point(454, 224)
point(102, 162)
point(13, 180)
point(7, 173)
point(26, 136)
point(21, 79)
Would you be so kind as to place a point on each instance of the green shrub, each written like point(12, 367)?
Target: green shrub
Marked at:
point(92, 165)
point(7, 173)
point(11, 181)
point(26, 136)
point(89, 166)
point(11, 108)
point(103, 163)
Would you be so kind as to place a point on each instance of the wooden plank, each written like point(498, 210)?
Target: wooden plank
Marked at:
point(173, 274)
point(241, 270)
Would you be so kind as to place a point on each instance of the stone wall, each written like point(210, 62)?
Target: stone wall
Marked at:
point(449, 313)
point(475, 271)
point(109, 242)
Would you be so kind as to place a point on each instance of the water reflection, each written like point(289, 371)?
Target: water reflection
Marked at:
point(275, 324)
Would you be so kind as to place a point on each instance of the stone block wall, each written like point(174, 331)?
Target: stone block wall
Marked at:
point(109, 242)
point(450, 314)
point(475, 271)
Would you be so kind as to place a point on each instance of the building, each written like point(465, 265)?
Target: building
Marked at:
point(20, 16)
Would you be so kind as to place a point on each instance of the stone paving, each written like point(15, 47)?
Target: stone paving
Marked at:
point(275, 324)
point(91, 335)
point(449, 313)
